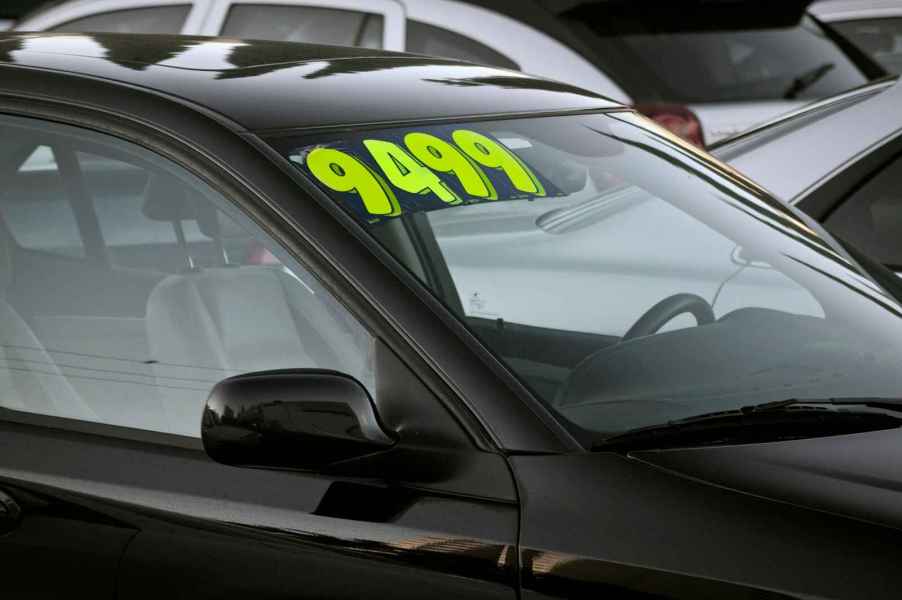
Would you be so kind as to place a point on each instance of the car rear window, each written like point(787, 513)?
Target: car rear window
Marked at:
point(423, 38)
point(789, 62)
point(306, 24)
point(153, 19)
point(880, 38)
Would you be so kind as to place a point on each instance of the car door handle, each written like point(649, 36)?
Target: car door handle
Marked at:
point(10, 513)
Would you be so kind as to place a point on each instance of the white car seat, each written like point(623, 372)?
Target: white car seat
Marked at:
point(30, 380)
point(210, 323)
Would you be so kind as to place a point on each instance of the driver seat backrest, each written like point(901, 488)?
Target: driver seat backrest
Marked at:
point(207, 324)
point(30, 379)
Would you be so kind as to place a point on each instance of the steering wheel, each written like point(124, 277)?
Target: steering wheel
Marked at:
point(664, 311)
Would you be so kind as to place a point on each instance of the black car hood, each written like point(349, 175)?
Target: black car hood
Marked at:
point(858, 475)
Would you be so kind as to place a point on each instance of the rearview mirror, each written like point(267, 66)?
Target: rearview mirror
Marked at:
point(302, 419)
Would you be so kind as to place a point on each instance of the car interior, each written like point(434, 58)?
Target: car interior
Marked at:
point(128, 291)
point(753, 327)
point(606, 384)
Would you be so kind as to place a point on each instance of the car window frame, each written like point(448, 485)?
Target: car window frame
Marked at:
point(138, 136)
point(821, 202)
point(496, 410)
point(162, 146)
point(69, 12)
point(282, 228)
point(391, 11)
point(825, 196)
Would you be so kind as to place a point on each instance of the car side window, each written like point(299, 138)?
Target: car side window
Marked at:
point(155, 19)
point(437, 41)
point(132, 237)
point(186, 291)
point(880, 38)
point(308, 24)
point(35, 204)
point(871, 217)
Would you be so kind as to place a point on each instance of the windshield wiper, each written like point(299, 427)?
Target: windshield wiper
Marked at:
point(772, 421)
point(806, 80)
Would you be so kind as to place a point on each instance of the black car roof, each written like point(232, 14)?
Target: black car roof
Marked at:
point(279, 85)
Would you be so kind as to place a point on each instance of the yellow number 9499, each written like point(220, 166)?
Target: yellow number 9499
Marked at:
point(342, 172)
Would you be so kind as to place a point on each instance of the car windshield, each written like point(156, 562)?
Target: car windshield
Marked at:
point(799, 61)
point(624, 277)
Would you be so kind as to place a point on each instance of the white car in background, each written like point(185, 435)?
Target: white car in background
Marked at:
point(875, 26)
point(704, 73)
point(839, 161)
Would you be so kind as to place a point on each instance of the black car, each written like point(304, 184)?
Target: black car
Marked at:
point(285, 321)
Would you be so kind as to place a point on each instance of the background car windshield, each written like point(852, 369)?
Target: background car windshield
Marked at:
point(800, 61)
point(625, 278)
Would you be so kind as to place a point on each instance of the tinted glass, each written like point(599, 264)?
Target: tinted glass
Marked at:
point(188, 291)
point(313, 25)
point(626, 279)
point(436, 41)
point(880, 38)
point(156, 19)
point(724, 66)
point(36, 205)
point(871, 218)
point(130, 236)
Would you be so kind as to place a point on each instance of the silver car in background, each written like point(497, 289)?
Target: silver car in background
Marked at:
point(839, 161)
point(704, 72)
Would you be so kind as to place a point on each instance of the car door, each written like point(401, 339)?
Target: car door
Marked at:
point(367, 23)
point(102, 471)
point(123, 16)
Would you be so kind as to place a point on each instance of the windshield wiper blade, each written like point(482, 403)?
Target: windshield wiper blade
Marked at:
point(807, 79)
point(889, 404)
point(767, 422)
point(796, 404)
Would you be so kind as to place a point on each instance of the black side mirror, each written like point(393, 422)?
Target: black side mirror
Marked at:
point(297, 419)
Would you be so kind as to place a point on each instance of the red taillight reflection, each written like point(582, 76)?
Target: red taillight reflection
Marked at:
point(257, 254)
point(677, 119)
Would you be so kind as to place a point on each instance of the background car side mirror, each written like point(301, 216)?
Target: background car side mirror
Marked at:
point(302, 419)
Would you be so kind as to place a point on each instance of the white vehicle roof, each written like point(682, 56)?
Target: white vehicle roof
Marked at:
point(548, 57)
point(791, 155)
point(521, 31)
point(849, 10)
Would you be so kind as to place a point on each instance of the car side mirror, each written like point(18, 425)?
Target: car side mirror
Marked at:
point(301, 419)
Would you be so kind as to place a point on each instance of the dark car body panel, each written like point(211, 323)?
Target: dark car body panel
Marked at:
point(59, 544)
point(630, 528)
point(317, 87)
point(143, 520)
point(508, 506)
point(854, 475)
